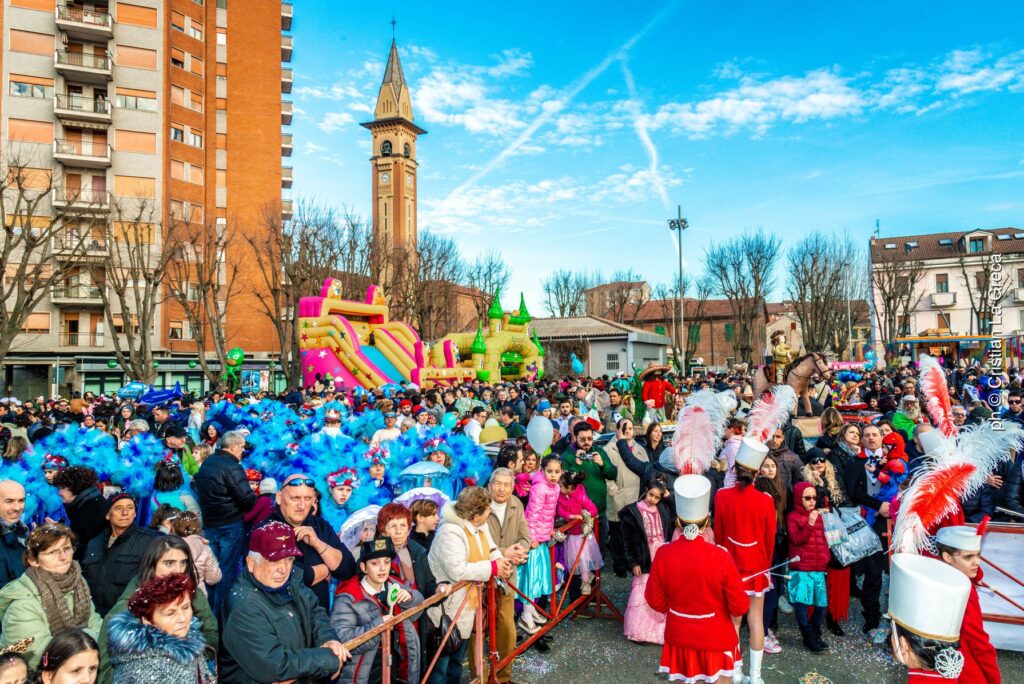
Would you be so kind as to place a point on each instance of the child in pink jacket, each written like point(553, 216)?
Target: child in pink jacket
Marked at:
point(572, 502)
point(188, 527)
point(534, 577)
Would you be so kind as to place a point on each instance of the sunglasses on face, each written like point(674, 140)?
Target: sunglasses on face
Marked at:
point(300, 482)
point(815, 461)
point(810, 498)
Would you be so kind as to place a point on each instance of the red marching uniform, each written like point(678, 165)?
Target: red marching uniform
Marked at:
point(745, 527)
point(980, 664)
point(925, 677)
point(698, 585)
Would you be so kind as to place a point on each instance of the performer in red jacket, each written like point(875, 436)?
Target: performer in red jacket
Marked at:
point(701, 642)
point(960, 547)
point(925, 630)
point(745, 527)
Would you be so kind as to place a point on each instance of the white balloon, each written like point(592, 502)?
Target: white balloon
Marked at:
point(539, 433)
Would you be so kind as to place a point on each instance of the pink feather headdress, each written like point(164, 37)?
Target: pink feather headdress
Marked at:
point(947, 479)
point(699, 433)
point(936, 396)
point(770, 412)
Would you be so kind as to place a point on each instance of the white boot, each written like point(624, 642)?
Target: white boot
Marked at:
point(755, 667)
point(526, 619)
point(737, 673)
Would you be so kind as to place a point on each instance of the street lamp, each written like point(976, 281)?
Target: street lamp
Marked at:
point(679, 223)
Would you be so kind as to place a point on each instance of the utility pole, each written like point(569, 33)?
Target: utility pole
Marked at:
point(679, 223)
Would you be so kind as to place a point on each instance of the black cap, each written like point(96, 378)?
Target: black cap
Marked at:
point(174, 430)
point(380, 547)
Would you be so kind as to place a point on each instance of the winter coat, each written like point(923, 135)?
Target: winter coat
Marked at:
point(806, 540)
point(449, 561)
point(201, 610)
point(644, 468)
point(980, 663)
point(540, 512)
point(144, 654)
point(310, 558)
point(224, 493)
point(87, 517)
point(354, 613)
point(207, 567)
point(275, 637)
point(745, 527)
point(624, 488)
point(12, 551)
point(422, 577)
point(634, 537)
point(109, 569)
point(596, 485)
point(23, 616)
point(789, 465)
point(513, 530)
point(574, 504)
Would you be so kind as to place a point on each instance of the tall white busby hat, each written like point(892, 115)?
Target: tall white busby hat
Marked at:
point(962, 537)
point(751, 454)
point(933, 441)
point(693, 498)
point(927, 597)
point(766, 416)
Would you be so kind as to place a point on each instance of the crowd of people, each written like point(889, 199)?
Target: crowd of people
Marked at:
point(249, 538)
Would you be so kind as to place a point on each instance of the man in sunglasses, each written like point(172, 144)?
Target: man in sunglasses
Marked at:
point(323, 554)
point(1015, 409)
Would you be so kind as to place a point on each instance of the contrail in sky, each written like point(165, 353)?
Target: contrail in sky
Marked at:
point(565, 98)
point(640, 126)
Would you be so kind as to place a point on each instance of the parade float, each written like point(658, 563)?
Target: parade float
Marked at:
point(502, 351)
point(355, 344)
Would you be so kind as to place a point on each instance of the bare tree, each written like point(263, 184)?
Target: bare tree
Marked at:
point(487, 273)
point(666, 296)
point(294, 257)
point(825, 272)
point(430, 293)
point(626, 293)
point(980, 293)
point(202, 280)
point(565, 292)
point(696, 316)
point(33, 233)
point(895, 282)
point(743, 271)
point(130, 282)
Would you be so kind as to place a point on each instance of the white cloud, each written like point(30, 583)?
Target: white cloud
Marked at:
point(335, 121)
point(971, 71)
point(510, 63)
point(313, 148)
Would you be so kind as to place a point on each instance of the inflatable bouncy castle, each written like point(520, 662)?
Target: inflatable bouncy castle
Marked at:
point(354, 344)
point(502, 351)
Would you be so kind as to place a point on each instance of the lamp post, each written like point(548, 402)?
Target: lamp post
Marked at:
point(679, 223)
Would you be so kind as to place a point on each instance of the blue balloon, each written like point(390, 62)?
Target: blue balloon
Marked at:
point(870, 355)
point(577, 365)
point(449, 420)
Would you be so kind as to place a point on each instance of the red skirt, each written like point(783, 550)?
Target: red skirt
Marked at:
point(758, 586)
point(691, 666)
point(837, 584)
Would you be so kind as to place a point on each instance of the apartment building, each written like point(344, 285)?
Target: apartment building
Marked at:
point(174, 103)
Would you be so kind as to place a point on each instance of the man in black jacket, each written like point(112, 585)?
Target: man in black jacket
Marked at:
point(112, 559)
point(12, 531)
point(83, 504)
point(323, 554)
point(224, 497)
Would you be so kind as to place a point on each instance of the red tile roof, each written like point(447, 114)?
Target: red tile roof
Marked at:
point(928, 246)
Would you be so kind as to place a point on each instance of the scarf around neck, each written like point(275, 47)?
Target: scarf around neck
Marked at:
point(52, 590)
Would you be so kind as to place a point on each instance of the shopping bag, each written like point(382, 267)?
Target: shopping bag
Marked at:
point(859, 540)
point(835, 531)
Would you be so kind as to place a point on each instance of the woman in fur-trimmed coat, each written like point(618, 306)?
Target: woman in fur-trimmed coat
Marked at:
point(144, 654)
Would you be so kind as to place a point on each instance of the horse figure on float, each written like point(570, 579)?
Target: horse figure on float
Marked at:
point(797, 375)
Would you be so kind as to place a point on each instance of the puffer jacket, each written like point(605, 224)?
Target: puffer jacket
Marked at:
point(144, 654)
point(201, 610)
point(274, 637)
point(449, 561)
point(354, 614)
point(12, 550)
point(23, 616)
point(224, 493)
point(574, 504)
point(207, 566)
point(806, 540)
point(540, 511)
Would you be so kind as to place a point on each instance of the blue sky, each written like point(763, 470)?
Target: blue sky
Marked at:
point(565, 134)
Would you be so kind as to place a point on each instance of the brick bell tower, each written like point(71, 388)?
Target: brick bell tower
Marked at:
point(393, 165)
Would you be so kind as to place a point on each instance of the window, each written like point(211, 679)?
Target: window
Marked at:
point(222, 37)
point(729, 333)
point(660, 329)
point(39, 324)
point(177, 169)
point(178, 21)
point(195, 139)
point(195, 30)
point(407, 149)
point(1020, 319)
point(981, 280)
point(197, 65)
point(942, 321)
point(904, 326)
point(129, 98)
point(222, 4)
point(942, 282)
point(177, 95)
point(612, 362)
point(177, 58)
point(385, 148)
point(694, 333)
point(175, 330)
point(976, 245)
point(119, 327)
point(197, 102)
point(195, 175)
point(1020, 277)
point(31, 86)
point(177, 134)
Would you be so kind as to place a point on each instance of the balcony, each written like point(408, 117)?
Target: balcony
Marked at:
point(86, 201)
point(81, 339)
point(286, 48)
point(286, 144)
point(287, 109)
point(286, 177)
point(286, 80)
point(70, 246)
point(82, 68)
point(77, 108)
point(943, 299)
point(286, 16)
point(76, 295)
point(286, 209)
point(82, 154)
point(85, 24)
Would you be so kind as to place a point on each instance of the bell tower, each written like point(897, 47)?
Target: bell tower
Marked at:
point(393, 165)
